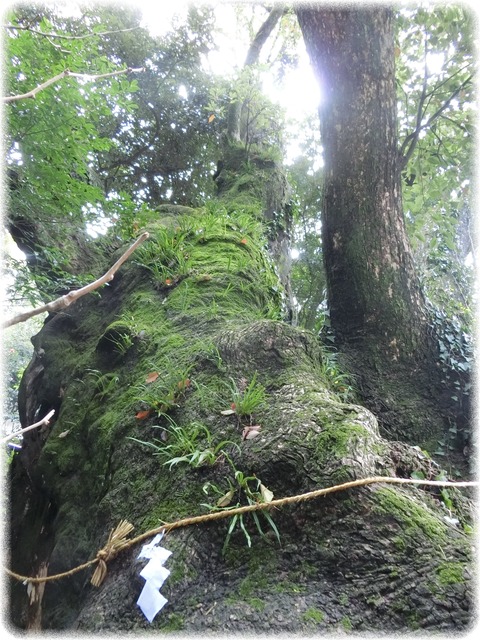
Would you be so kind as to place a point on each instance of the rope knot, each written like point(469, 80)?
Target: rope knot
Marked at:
point(117, 540)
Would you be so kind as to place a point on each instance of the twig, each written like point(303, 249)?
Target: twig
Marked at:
point(412, 139)
point(44, 420)
point(64, 74)
point(66, 300)
point(58, 35)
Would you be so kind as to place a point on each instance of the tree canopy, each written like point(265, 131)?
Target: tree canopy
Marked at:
point(86, 154)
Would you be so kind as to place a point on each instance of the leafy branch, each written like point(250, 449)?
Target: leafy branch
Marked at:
point(253, 54)
point(64, 74)
point(410, 142)
point(72, 296)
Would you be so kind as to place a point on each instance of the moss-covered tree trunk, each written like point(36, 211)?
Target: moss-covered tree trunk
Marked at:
point(191, 326)
point(377, 308)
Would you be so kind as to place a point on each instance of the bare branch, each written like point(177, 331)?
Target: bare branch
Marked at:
point(64, 74)
point(58, 35)
point(20, 432)
point(72, 296)
point(412, 139)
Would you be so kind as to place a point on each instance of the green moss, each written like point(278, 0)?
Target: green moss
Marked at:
point(175, 622)
point(256, 603)
point(337, 439)
point(117, 338)
point(416, 520)
point(346, 623)
point(313, 615)
point(252, 583)
point(450, 573)
point(285, 586)
point(399, 543)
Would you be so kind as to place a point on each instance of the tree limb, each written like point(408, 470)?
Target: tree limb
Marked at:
point(58, 35)
point(410, 142)
point(44, 420)
point(72, 296)
point(234, 112)
point(64, 74)
point(412, 139)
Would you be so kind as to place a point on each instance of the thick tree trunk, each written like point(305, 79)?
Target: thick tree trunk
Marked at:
point(377, 309)
point(201, 303)
point(373, 290)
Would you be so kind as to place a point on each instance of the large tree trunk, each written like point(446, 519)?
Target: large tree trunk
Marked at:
point(201, 302)
point(377, 309)
point(373, 291)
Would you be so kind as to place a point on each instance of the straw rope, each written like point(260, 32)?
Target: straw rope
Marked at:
point(117, 540)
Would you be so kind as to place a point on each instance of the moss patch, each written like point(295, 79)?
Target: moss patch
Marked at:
point(417, 521)
point(313, 615)
point(451, 573)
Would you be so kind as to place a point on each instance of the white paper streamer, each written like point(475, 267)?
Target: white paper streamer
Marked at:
point(151, 600)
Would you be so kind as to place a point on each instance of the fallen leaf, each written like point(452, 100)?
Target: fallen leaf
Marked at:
point(251, 432)
point(168, 281)
point(151, 377)
point(211, 118)
point(227, 412)
point(183, 384)
point(233, 406)
point(225, 500)
point(141, 415)
point(267, 495)
point(243, 241)
point(64, 433)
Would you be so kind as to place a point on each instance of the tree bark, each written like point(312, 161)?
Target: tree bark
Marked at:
point(202, 303)
point(377, 308)
point(373, 292)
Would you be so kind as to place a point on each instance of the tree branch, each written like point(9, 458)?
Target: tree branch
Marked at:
point(44, 420)
point(412, 139)
point(72, 296)
point(234, 112)
point(64, 74)
point(58, 35)
point(409, 144)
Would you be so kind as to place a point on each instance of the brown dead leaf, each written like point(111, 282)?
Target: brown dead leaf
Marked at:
point(142, 415)
point(151, 377)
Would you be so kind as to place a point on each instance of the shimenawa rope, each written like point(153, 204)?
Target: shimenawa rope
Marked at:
point(117, 540)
